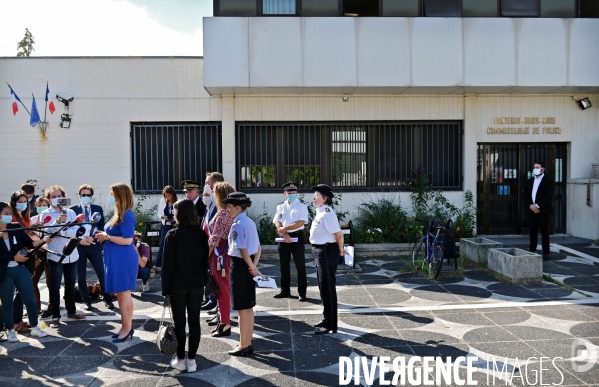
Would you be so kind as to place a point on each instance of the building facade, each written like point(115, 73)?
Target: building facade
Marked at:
point(358, 103)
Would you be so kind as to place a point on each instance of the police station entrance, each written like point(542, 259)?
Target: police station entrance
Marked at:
point(502, 171)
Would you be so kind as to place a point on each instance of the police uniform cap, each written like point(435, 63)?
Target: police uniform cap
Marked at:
point(190, 184)
point(324, 189)
point(290, 186)
point(237, 198)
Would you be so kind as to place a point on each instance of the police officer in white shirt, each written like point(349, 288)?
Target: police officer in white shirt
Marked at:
point(290, 218)
point(59, 216)
point(326, 238)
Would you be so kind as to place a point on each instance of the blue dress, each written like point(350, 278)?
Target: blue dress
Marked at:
point(120, 262)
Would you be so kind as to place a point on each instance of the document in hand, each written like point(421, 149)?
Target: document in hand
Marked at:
point(265, 282)
point(283, 240)
point(349, 258)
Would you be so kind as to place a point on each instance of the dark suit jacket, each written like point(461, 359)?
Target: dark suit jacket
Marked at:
point(94, 208)
point(18, 239)
point(200, 208)
point(544, 194)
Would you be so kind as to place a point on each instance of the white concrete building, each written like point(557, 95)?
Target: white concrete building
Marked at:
point(354, 102)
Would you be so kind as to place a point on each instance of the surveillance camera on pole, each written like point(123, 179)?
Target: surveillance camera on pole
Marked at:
point(65, 118)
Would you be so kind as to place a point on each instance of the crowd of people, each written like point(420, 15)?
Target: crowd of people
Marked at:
point(207, 241)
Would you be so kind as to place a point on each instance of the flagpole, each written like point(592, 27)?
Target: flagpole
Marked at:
point(46, 108)
point(39, 123)
point(20, 100)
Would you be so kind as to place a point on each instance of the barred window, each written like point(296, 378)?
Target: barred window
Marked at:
point(168, 153)
point(352, 156)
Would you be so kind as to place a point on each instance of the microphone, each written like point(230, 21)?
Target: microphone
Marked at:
point(96, 217)
point(72, 243)
point(80, 218)
point(47, 219)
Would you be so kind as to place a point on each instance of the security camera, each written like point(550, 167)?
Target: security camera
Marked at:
point(64, 98)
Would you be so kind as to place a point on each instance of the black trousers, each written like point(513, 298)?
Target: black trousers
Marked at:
point(298, 250)
point(539, 221)
point(326, 258)
point(190, 300)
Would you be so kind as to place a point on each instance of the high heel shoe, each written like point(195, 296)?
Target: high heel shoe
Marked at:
point(242, 352)
point(221, 331)
point(214, 321)
point(129, 335)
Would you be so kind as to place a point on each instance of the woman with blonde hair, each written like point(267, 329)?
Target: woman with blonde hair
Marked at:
point(219, 260)
point(120, 256)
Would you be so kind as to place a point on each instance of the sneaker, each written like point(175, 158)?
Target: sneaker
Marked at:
point(12, 336)
point(191, 365)
point(108, 303)
point(178, 364)
point(55, 323)
point(145, 288)
point(39, 332)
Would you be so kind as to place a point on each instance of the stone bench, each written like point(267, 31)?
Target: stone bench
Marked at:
point(517, 266)
point(476, 249)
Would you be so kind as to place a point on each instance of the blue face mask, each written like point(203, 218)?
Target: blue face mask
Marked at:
point(41, 209)
point(86, 200)
point(21, 206)
point(111, 200)
point(6, 219)
point(292, 197)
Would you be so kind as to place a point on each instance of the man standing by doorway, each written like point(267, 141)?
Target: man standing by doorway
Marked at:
point(290, 219)
point(538, 195)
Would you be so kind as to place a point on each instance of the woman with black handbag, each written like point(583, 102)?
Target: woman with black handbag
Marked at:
point(185, 259)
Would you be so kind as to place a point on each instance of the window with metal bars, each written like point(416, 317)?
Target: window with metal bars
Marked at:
point(168, 153)
point(358, 156)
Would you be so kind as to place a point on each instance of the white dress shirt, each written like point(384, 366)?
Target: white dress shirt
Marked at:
point(324, 226)
point(289, 213)
point(535, 188)
point(59, 243)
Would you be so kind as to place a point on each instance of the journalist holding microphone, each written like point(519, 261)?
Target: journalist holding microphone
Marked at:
point(65, 223)
point(13, 273)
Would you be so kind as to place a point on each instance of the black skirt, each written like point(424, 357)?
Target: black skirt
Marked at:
point(243, 286)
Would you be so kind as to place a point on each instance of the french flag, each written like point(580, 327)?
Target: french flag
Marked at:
point(51, 105)
point(15, 99)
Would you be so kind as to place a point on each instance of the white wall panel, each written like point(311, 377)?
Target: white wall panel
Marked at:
point(226, 43)
point(583, 67)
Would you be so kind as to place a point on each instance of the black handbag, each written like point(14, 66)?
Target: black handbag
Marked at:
point(166, 341)
point(210, 287)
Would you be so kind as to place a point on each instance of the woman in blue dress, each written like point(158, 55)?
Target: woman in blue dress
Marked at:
point(120, 256)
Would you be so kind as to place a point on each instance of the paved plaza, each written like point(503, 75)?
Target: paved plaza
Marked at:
point(386, 310)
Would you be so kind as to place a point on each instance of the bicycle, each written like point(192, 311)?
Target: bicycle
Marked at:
point(428, 250)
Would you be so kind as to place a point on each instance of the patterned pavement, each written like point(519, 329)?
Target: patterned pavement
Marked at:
point(387, 310)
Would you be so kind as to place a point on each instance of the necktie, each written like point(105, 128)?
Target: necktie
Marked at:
point(87, 214)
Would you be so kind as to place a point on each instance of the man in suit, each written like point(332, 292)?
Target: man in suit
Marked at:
point(192, 192)
point(92, 252)
point(538, 196)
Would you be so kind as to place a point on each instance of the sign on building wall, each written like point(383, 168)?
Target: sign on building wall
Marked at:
point(524, 125)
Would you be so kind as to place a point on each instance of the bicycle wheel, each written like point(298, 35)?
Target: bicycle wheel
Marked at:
point(419, 253)
point(436, 262)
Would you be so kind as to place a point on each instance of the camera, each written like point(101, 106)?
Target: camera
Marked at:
point(64, 202)
point(64, 98)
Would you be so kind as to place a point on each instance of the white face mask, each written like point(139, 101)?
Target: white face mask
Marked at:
point(536, 171)
point(207, 200)
point(55, 201)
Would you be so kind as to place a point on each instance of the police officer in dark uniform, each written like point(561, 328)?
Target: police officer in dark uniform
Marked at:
point(193, 193)
point(290, 218)
point(326, 238)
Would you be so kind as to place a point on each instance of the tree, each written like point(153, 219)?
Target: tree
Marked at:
point(25, 46)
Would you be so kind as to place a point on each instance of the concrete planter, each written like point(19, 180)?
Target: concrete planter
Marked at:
point(476, 249)
point(518, 267)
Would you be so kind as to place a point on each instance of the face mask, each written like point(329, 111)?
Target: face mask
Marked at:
point(536, 171)
point(55, 201)
point(207, 200)
point(207, 189)
point(41, 209)
point(86, 200)
point(292, 197)
point(29, 199)
point(21, 206)
point(6, 219)
point(111, 200)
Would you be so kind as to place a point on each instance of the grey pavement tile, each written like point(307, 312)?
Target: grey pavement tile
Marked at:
point(586, 330)
point(311, 379)
point(581, 280)
point(210, 345)
point(530, 333)
point(90, 348)
point(305, 360)
point(513, 291)
point(381, 339)
point(479, 275)
point(286, 379)
point(507, 317)
point(374, 321)
point(140, 365)
point(553, 348)
point(563, 314)
point(470, 318)
point(67, 365)
point(488, 335)
point(182, 380)
point(134, 380)
point(19, 367)
point(310, 341)
point(277, 342)
point(590, 311)
point(588, 288)
point(510, 349)
point(42, 380)
point(387, 296)
point(406, 320)
point(434, 293)
point(554, 293)
point(49, 350)
point(276, 361)
point(418, 337)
